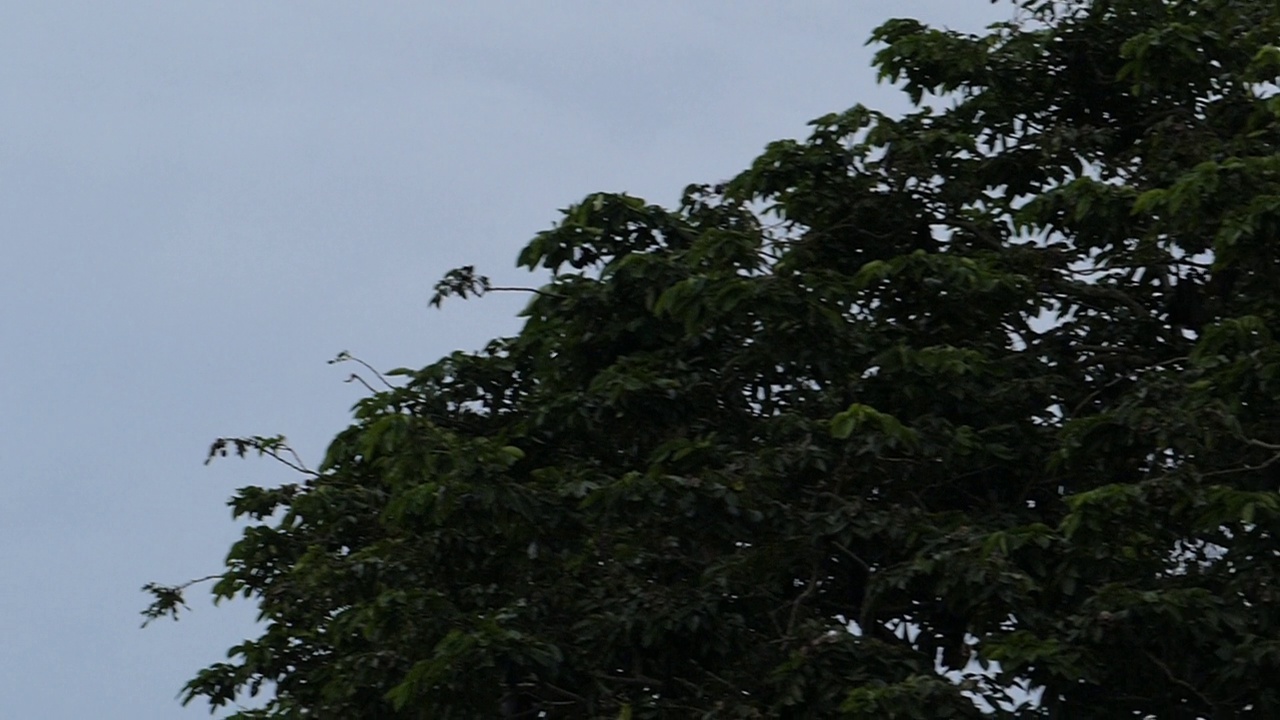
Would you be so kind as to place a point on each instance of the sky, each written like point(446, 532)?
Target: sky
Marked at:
point(201, 203)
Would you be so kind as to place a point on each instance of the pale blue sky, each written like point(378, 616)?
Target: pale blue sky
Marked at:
point(202, 202)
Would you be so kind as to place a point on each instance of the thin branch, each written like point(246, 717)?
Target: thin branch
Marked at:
point(795, 605)
point(1179, 681)
point(345, 356)
point(356, 378)
point(566, 693)
point(630, 680)
point(852, 556)
point(198, 580)
point(296, 463)
point(1246, 468)
point(536, 291)
point(1081, 291)
point(270, 447)
point(1075, 411)
point(719, 679)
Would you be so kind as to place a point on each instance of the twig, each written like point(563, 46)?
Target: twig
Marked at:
point(1130, 375)
point(356, 378)
point(795, 605)
point(296, 463)
point(535, 291)
point(1244, 468)
point(571, 695)
point(630, 680)
point(852, 556)
point(1179, 681)
point(265, 446)
point(345, 356)
point(189, 583)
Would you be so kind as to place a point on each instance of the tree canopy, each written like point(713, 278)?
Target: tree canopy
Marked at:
point(908, 414)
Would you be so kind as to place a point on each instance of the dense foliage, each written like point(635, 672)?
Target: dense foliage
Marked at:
point(906, 414)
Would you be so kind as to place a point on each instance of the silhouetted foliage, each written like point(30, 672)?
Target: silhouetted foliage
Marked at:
point(990, 385)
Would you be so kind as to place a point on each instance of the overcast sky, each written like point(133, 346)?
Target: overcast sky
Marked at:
point(203, 202)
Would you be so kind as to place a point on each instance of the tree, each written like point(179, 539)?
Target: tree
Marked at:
point(989, 385)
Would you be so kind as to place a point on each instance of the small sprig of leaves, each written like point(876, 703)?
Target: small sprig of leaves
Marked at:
point(461, 282)
point(464, 281)
point(275, 447)
point(168, 599)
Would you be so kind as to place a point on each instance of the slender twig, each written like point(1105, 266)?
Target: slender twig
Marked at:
point(536, 291)
point(1136, 371)
point(270, 447)
point(297, 462)
point(356, 378)
point(630, 679)
point(719, 679)
point(571, 695)
point(198, 580)
point(852, 556)
point(800, 599)
point(1244, 468)
point(1093, 290)
point(379, 375)
point(345, 356)
point(1178, 681)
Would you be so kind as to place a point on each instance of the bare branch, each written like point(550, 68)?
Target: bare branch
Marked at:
point(1178, 681)
point(356, 378)
point(267, 446)
point(852, 556)
point(811, 588)
point(1247, 468)
point(535, 291)
point(345, 356)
